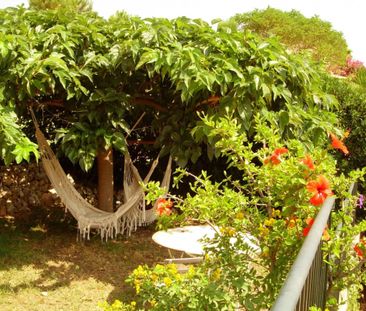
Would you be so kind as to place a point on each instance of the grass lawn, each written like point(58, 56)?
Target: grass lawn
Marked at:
point(43, 267)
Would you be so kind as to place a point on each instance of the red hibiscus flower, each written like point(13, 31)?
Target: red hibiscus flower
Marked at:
point(275, 158)
point(360, 248)
point(306, 230)
point(320, 189)
point(164, 207)
point(338, 144)
point(308, 162)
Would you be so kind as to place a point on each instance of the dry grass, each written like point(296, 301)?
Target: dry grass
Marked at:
point(45, 268)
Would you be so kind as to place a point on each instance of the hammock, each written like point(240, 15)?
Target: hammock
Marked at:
point(128, 215)
point(131, 185)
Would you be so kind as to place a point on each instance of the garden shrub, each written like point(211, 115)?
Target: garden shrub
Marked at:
point(282, 188)
point(360, 77)
point(299, 33)
point(351, 113)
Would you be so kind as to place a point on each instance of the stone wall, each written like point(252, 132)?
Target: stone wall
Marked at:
point(25, 187)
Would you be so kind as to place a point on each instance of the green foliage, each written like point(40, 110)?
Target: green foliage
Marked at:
point(55, 58)
point(219, 72)
point(105, 74)
point(14, 145)
point(298, 33)
point(360, 78)
point(74, 5)
point(346, 267)
point(260, 221)
point(165, 281)
point(351, 112)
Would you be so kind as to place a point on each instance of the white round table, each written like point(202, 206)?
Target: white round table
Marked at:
point(186, 239)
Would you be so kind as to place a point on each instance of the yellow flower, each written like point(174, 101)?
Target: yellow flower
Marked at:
point(117, 304)
point(216, 274)
point(140, 271)
point(263, 230)
point(172, 268)
point(191, 272)
point(240, 215)
point(276, 213)
point(167, 281)
point(227, 231)
point(152, 302)
point(269, 222)
point(154, 277)
point(137, 284)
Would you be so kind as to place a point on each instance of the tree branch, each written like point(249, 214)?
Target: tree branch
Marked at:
point(140, 142)
point(148, 102)
point(48, 102)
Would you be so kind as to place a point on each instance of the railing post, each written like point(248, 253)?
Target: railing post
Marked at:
point(291, 289)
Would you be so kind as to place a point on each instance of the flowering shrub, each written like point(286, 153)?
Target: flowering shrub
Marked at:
point(360, 248)
point(351, 112)
point(320, 190)
point(164, 207)
point(351, 67)
point(262, 218)
point(338, 144)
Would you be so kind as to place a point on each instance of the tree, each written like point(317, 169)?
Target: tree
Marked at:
point(94, 78)
point(15, 145)
point(77, 5)
point(298, 33)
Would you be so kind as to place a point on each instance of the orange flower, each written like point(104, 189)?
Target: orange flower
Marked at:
point(326, 236)
point(360, 248)
point(346, 133)
point(275, 158)
point(320, 189)
point(309, 222)
point(308, 162)
point(164, 207)
point(306, 230)
point(291, 222)
point(338, 144)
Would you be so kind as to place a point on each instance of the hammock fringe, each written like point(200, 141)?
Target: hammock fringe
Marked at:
point(128, 216)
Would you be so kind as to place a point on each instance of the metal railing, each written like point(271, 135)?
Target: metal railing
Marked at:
point(306, 282)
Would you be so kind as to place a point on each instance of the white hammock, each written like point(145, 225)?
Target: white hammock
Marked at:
point(128, 215)
point(130, 186)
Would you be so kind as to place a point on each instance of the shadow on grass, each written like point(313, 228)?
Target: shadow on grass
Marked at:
point(59, 260)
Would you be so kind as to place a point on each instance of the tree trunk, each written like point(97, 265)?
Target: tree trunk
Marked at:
point(105, 180)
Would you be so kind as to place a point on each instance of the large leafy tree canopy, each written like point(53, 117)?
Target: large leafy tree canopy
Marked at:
point(94, 78)
point(298, 33)
point(78, 5)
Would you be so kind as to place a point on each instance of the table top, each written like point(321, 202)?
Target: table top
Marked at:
point(186, 239)
point(189, 239)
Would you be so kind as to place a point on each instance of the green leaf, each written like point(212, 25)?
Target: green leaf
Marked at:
point(284, 119)
point(266, 91)
point(256, 80)
point(147, 58)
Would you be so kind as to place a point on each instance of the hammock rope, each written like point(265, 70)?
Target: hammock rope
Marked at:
point(127, 217)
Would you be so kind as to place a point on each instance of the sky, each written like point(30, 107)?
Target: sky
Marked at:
point(347, 17)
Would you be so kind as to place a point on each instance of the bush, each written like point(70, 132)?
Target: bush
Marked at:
point(281, 189)
point(351, 113)
point(299, 33)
